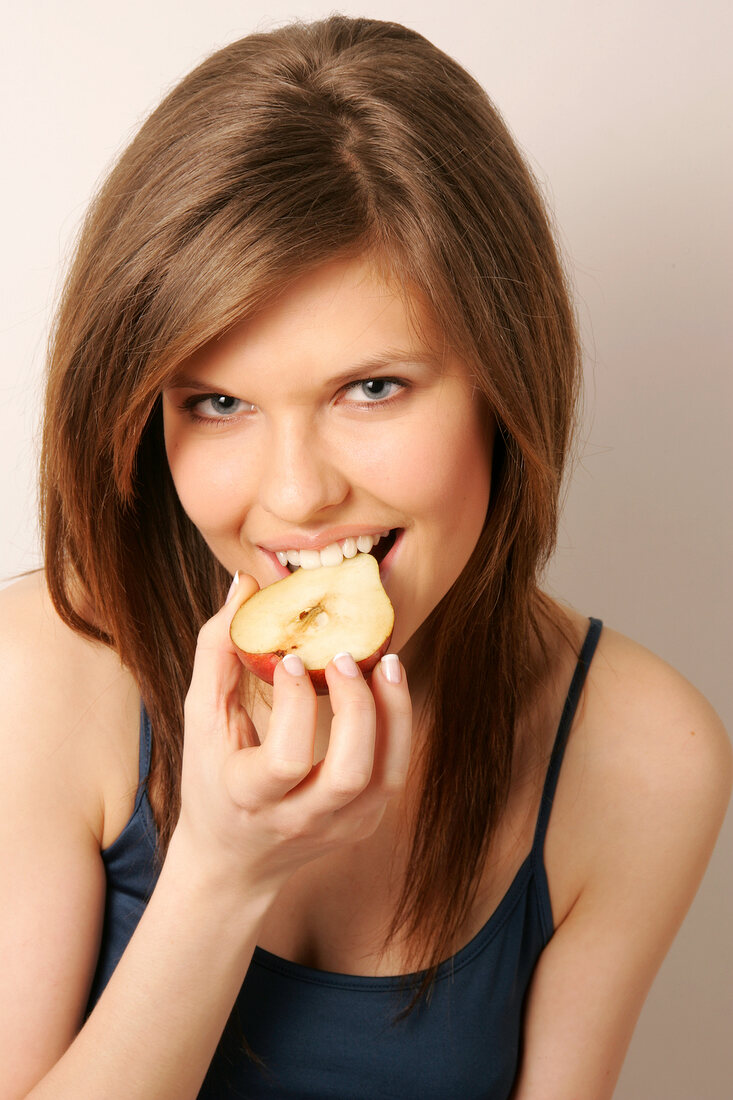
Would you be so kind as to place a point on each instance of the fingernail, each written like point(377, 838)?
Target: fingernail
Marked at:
point(232, 588)
point(391, 668)
point(293, 664)
point(346, 664)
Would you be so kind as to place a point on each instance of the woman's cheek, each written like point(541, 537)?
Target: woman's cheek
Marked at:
point(398, 462)
point(209, 482)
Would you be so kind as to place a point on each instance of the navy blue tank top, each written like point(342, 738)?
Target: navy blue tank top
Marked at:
point(320, 1035)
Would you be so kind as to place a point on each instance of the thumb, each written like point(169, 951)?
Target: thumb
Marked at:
point(217, 668)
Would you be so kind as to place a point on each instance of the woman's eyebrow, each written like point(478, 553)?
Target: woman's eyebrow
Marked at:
point(391, 358)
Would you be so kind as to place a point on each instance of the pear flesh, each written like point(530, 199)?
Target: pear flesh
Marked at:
point(316, 613)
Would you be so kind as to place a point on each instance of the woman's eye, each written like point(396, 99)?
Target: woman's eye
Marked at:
point(216, 406)
point(374, 391)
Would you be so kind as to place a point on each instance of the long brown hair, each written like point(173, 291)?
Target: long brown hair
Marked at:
point(277, 153)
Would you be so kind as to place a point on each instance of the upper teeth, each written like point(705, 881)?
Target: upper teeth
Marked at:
point(333, 554)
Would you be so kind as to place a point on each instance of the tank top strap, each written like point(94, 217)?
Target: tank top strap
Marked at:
point(146, 748)
point(563, 731)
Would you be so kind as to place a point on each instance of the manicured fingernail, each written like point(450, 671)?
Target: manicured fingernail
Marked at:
point(293, 664)
point(391, 668)
point(232, 588)
point(345, 663)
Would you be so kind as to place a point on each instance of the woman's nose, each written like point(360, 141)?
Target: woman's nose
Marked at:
point(299, 476)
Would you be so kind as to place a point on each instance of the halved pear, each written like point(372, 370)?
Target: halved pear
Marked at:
point(316, 613)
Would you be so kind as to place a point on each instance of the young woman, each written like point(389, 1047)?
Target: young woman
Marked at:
point(318, 301)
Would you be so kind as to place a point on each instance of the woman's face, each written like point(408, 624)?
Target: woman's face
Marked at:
point(323, 419)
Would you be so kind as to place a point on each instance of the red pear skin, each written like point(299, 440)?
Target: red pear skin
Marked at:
point(263, 665)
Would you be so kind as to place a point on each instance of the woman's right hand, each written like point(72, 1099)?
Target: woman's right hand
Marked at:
point(253, 813)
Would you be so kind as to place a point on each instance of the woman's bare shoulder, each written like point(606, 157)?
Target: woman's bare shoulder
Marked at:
point(648, 713)
point(649, 767)
point(70, 709)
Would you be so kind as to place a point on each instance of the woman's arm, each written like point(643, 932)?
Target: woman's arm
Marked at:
point(647, 787)
point(51, 825)
point(250, 816)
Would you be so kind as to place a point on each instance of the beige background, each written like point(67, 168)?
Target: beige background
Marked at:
point(625, 111)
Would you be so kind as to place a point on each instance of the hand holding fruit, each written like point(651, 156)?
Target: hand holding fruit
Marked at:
point(253, 813)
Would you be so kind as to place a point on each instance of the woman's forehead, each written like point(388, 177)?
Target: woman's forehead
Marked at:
point(342, 310)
